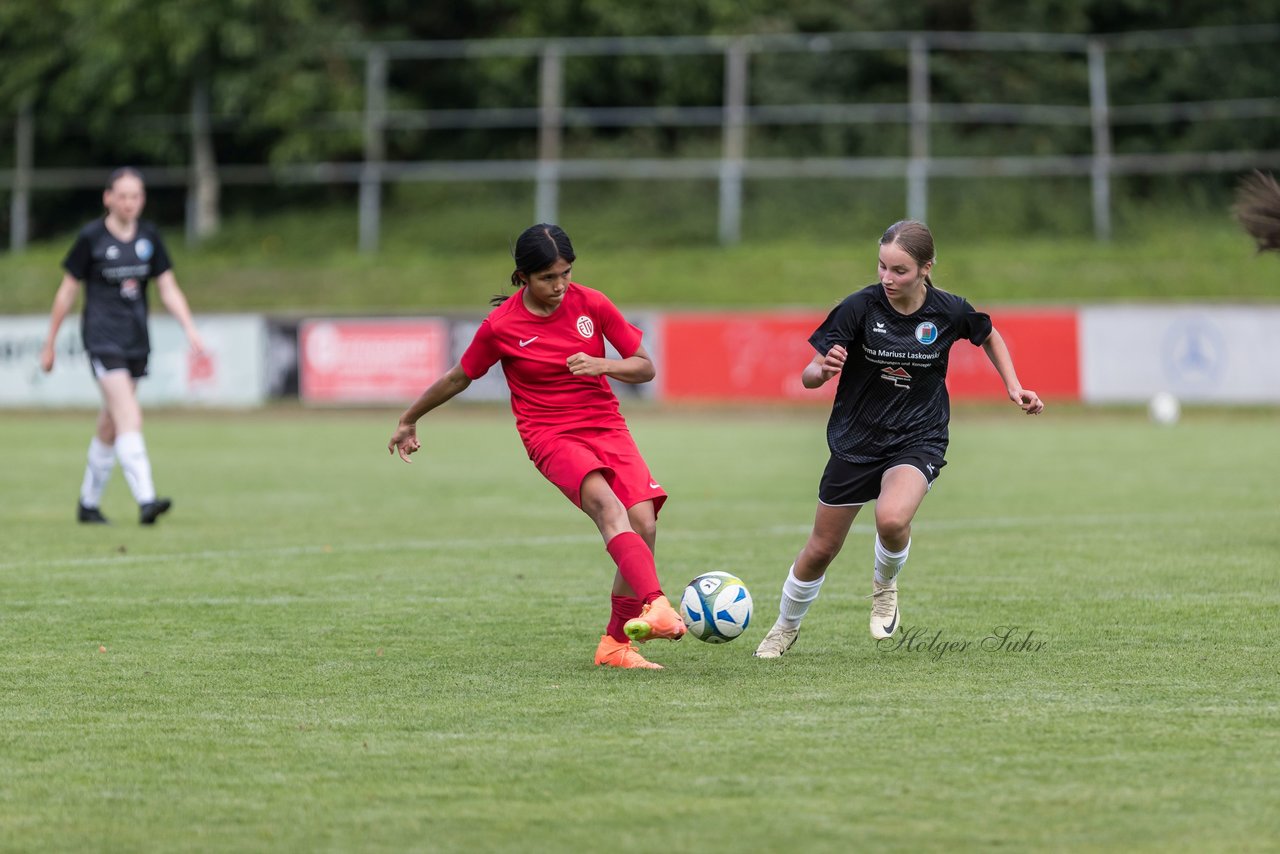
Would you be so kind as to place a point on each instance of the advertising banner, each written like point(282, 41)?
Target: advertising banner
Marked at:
point(229, 374)
point(370, 361)
point(1044, 345)
point(759, 357)
point(738, 357)
point(1199, 353)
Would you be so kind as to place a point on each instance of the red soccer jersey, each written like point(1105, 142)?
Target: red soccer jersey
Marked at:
point(545, 398)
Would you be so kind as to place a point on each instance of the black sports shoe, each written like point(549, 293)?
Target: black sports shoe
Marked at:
point(90, 515)
point(149, 512)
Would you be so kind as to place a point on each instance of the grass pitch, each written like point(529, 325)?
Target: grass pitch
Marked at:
point(322, 648)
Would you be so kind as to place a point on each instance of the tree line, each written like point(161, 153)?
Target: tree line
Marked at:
point(99, 78)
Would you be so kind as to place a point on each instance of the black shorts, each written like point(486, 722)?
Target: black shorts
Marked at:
point(846, 484)
point(137, 367)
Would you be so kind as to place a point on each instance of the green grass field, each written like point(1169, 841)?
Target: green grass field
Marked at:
point(323, 649)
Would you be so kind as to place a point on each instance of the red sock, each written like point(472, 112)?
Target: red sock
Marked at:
point(624, 608)
point(635, 562)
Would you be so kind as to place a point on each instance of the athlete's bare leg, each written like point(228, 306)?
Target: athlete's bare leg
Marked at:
point(605, 509)
point(902, 489)
point(830, 528)
point(119, 406)
point(644, 521)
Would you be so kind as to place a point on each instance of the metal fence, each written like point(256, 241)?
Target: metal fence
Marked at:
point(734, 117)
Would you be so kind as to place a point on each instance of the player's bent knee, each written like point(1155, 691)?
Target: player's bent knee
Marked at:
point(820, 553)
point(893, 527)
point(646, 529)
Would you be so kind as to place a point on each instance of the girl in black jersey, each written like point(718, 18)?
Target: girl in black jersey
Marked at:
point(116, 257)
point(888, 344)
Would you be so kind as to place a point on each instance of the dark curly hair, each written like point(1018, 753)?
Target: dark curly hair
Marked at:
point(1257, 208)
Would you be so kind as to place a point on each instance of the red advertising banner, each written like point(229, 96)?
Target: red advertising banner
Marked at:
point(759, 356)
point(370, 361)
point(738, 357)
point(1044, 344)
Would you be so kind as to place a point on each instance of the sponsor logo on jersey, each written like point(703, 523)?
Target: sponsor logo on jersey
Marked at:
point(898, 376)
point(143, 249)
point(129, 289)
point(926, 333)
point(585, 327)
point(113, 252)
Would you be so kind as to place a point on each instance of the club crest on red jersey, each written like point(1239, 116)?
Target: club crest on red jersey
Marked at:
point(585, 327)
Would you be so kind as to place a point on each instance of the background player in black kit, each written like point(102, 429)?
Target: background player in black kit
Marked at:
point(116, 257)
point(888, 343)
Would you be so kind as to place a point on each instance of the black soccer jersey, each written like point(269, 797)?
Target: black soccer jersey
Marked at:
point(892, 393)
point(116, 274)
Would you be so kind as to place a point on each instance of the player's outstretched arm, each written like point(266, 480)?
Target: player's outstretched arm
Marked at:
point(1257, 208)
point(63, 301)
point(405, 438)
point(998, 353)
point(176, 303)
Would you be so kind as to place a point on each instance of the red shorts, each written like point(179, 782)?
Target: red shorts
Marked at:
point(567, 459)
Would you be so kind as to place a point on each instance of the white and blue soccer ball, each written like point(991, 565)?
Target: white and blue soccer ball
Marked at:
point(716, 607)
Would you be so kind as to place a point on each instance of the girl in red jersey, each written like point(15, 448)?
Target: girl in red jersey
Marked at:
point(550, 338)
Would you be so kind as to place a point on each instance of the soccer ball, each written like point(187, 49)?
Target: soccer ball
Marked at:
point(1164, 409)
point(716, 607)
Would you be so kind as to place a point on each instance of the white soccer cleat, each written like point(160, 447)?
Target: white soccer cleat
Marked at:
point(884, 608)
point(776, 642)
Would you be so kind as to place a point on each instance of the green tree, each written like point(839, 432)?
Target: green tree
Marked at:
point(117, 79)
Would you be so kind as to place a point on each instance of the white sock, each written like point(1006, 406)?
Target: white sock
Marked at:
point(137, 467)
point(97, 471)
point(889, 564)
point(797, 596)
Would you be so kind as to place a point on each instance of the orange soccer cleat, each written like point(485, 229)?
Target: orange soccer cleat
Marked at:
point(614, 653)
point(657, 620)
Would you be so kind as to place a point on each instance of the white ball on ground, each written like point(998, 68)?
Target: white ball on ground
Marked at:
point(1164, 409)
point(716, 607)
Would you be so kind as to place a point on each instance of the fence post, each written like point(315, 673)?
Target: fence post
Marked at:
point(734, 145)
point(918, 164)
point(1100, 168)
point(375, 149)
point(20, 199)
point(202, 185)
point(550, 132)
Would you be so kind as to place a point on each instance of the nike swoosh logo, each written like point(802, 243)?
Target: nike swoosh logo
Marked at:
point(530, 341)
point(653, 485)
point(893, 624)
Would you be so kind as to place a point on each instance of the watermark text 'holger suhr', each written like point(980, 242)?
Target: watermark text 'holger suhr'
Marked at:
point(1010, 639)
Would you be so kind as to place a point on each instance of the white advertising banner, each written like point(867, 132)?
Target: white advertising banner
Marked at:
point(232, 372)
point(1200, 353)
